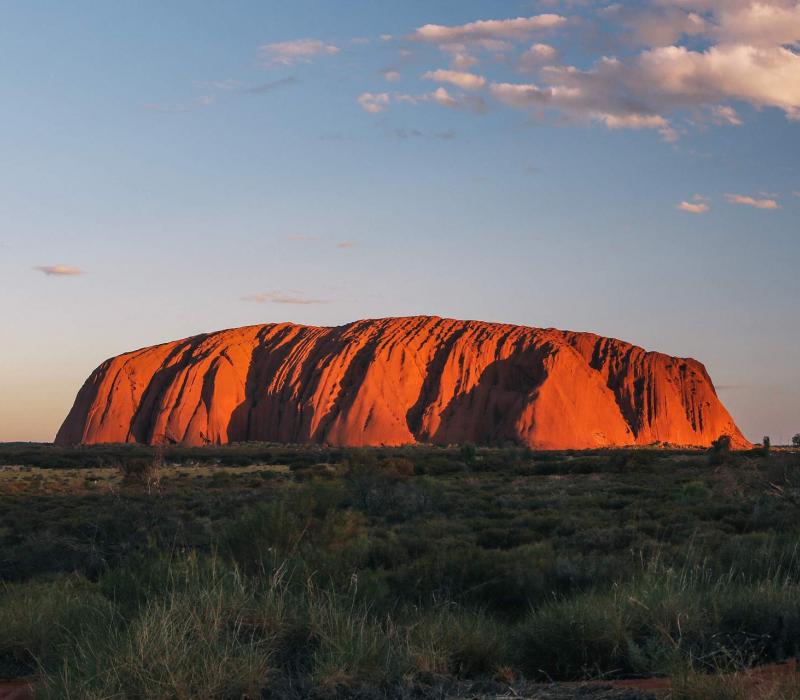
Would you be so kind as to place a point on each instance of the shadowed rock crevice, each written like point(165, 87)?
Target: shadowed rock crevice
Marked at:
point(430, 386)
point(490, 411)
point(142, 425)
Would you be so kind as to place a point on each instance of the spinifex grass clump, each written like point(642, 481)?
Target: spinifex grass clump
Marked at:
point(208, 631)
point(40, 622)
point(662, 620)
point(203, 634)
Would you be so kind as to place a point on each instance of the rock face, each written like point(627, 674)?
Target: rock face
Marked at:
point(396, 381)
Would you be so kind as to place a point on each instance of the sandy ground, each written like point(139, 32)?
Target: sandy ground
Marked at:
point(16, 690)
point(759, 681)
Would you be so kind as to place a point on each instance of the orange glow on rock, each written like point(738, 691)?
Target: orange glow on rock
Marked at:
point(397, 381)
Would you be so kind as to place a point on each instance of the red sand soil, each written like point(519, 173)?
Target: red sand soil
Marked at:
point(16, 690)
point(757, 680)
point(399, 381)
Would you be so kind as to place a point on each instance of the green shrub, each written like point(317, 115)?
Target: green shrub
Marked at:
point(658, 621)
point(39, 621)
point(451, 641)
point(575, 638)
point(350, 645)
point(211, 640)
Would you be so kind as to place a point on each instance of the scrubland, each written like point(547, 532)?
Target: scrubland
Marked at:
point(289, 572)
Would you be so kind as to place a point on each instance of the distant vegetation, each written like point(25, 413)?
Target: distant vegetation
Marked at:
point(312, 571)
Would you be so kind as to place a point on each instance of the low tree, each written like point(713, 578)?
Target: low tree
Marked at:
point(719, 450)
point(143, 471)
point(796, 440)
point(468, 453)
point(783, 481)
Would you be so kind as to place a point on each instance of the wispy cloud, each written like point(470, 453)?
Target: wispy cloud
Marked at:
point(269, 86)
point(517, 28)
point(405, 133)
point(693, 207)
point(725, 114)
point(288, 53)
point(179, 107)
point(758, 203)
point(730, 387)
point(59, 270)
point(227, 84)
point(277, 297)
point(441, 96)
point(346, 244)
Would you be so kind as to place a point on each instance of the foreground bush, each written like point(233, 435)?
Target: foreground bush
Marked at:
point(40, 622)
point(661, 621)
point(206, 630)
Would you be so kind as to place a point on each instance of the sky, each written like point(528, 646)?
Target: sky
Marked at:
point(630, 169)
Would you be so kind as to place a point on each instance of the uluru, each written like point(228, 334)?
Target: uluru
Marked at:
point(397, 381)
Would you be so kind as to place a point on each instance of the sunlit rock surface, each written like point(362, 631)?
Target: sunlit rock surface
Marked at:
point(396, 381)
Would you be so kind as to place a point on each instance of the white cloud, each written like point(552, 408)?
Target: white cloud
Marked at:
point(289, 297)
point(491, 29)
point(373, 102)
point(647, 90)
point(391, 75)
point(764, 23)
point(536, 56)
point(764, 77)
point(632, 121)
point(466, 81)
point(694, 207)
point(575, 102)
point(681, 62)
point(287, 53)
point(655, 26)
point(59, 270)
point(725, 114)
point(763, 203)
point(460, 57)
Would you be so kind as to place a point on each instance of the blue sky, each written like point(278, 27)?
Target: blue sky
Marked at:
point(207, 165)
